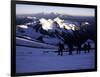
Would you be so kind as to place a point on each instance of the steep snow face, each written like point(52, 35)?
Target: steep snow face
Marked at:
point(72, 26)
point(64, 25)
point(46, 24)
point(60, 22)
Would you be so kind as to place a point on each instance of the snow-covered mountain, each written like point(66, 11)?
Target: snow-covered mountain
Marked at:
point(53, 31)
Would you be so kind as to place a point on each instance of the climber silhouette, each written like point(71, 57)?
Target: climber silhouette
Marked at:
point(60, 48)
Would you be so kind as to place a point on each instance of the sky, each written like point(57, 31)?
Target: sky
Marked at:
point(33, 9)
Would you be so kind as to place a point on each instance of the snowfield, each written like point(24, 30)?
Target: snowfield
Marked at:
point(36, 60)
point(26, 42)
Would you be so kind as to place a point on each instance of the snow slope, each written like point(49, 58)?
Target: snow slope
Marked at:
point(30, 43)
point(35, 60)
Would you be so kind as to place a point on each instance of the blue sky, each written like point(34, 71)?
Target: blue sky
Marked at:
point(33, 9)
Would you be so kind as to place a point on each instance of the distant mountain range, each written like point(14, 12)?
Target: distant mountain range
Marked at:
point(62, 16)
point(35, 30)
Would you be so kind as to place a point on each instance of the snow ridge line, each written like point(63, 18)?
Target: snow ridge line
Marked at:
point(30, 43)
